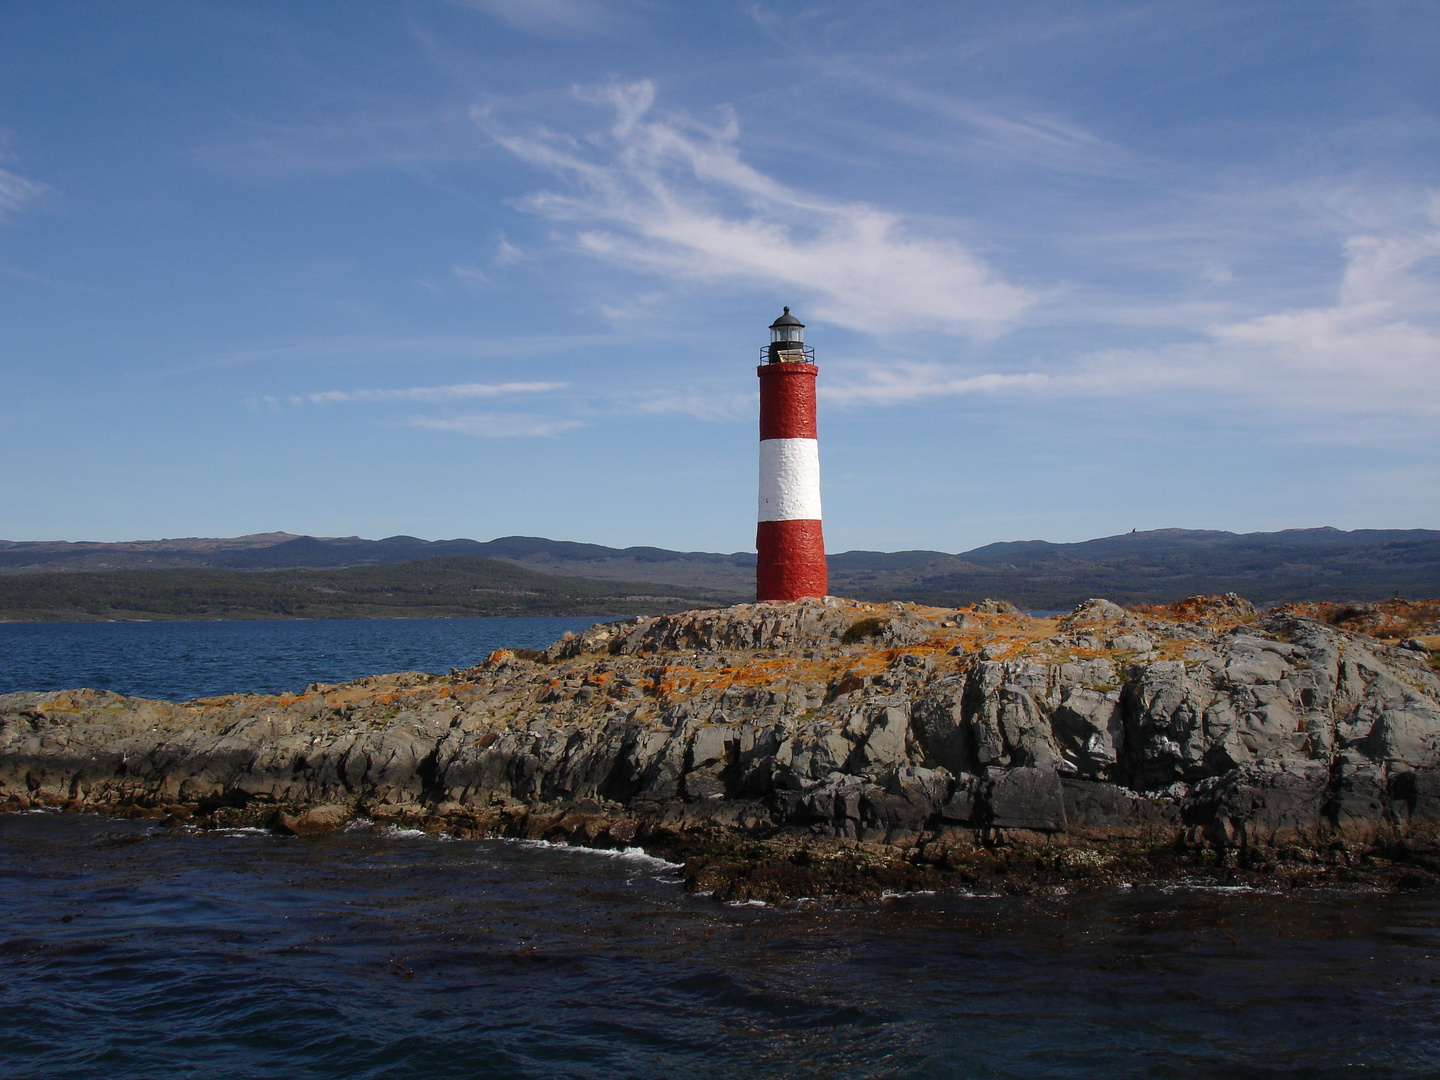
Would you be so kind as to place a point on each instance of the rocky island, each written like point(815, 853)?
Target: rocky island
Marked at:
point(832, 748)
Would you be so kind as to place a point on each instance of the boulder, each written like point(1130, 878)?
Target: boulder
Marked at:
point(1093, 613)
point(317, 820)
point(1089, 729)
point(1260, 803)
point(1102, 807)
point(1025, 798)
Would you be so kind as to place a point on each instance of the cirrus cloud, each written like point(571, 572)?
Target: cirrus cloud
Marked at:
point(1373, 356)
point(16, 192)
point(673, 196)
point(495, 425)
point(457, 392)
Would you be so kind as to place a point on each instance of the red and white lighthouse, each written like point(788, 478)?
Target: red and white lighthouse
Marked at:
point(791, 562)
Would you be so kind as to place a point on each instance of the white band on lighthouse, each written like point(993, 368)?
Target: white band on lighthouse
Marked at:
point(789, 480)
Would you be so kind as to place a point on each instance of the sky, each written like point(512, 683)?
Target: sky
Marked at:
point(488, 267)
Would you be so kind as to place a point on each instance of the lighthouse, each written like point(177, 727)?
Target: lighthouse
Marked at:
point(791, 562)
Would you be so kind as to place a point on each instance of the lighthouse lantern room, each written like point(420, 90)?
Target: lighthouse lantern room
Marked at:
point(787, 341)
point(791, 548)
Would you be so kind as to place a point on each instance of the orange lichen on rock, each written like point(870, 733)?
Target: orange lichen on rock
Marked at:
point(1225, 610)
point(1388, 620)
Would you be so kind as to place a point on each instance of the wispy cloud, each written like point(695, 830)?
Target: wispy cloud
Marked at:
point(1375, 351)
point(458, 392)
point(1016, 135)
point(16, 192)
point(1372, 354)
point(500, 425)
point(717, 406)
point(672, 195)
point(364, 139)
point(347, 349)
point(548, 18)
point(471, 276)
point(894, 383)
point(507, 254)
point(495, 425)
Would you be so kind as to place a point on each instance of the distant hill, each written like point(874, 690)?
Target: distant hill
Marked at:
point(1142, 567)
point(1160, 567)
point(43, 555)
point(279, 551)
point(455, 586)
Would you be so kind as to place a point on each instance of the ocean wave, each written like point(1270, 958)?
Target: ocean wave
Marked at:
point(392, 832)
point(637, 855)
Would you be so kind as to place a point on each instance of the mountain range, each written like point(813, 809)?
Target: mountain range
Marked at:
point(1157, 566)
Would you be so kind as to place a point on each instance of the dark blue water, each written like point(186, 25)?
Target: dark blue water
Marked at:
point(177, 661)
point(128, 952)
point(132, 952)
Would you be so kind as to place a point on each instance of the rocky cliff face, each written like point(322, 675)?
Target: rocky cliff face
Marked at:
point(834, 722)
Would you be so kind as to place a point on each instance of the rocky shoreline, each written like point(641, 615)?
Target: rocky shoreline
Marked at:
point(832, 748)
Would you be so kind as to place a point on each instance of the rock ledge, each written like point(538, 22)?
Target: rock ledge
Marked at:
point(831, 747)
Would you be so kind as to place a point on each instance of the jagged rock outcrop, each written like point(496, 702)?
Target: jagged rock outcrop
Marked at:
point(884, 724)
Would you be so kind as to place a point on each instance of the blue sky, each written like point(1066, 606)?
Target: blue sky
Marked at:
point(482, 267)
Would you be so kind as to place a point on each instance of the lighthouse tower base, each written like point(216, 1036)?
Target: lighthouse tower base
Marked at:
point(791, 561)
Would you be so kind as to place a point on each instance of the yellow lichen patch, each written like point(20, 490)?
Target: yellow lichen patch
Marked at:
point(1388, 620)
point(677, 683)
point(1222, 612)
point(1172, 648)
point(680, 683)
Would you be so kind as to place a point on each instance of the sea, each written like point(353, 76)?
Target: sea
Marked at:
point(179, 661)
point(132, 950)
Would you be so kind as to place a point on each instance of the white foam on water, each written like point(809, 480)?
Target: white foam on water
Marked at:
point(637, 855)
point(395, 832)
point(887, 895)
point(237, 832)
point(1205, 887)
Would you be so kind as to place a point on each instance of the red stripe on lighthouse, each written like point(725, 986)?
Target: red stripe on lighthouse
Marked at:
point(791, 563)
point(787, 401)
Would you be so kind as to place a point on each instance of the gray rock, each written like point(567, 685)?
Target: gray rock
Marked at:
point(1415, 794)
point(1359, 794)
point(1130, 643)
point(1164, 737)
point(1261, 802)
point(760, 716)
point(938, 720)
point(884, 746)
point(1025, 798)
point(966, 804)
point(1092, 613)
point(1092, 804)
point(1089, 730)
